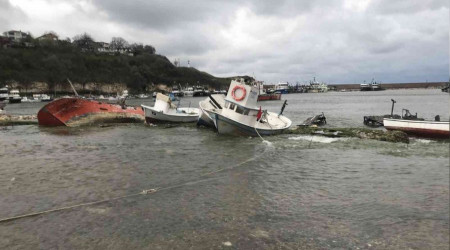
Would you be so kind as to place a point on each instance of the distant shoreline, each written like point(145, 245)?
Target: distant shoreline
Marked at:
point(413, 85)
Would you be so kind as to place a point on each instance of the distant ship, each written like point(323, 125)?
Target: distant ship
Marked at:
point(365, 86)
point(282, 88)
point(317, 87)
point(372, 86)
point(264, 96)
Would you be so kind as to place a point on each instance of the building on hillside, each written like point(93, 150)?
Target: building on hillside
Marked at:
point(103, 47)
point(16, 36)
point(48, 37)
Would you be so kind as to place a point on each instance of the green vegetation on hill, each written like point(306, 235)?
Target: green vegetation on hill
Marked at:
point(54, 62)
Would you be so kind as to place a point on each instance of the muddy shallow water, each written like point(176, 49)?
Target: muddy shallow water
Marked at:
point(226, 192)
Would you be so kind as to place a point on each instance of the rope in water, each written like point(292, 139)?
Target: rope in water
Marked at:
point(144, 192)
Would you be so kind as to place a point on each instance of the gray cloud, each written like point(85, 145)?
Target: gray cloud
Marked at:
point(387, 7)
point(8, 15)
point(162, 14)
point(338, 41)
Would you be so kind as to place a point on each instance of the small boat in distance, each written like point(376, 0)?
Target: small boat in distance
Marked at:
point(14, 96)
point(365, 86)
point(317, 87)
point(4, 93)
point(269, 97)
point(282, 88)
point(166, 111)
point(45, 98)
point(177, 91)
point(241, 116)
point(25, 99)
point(264, 96)
point(188, 91)
point(372, 86)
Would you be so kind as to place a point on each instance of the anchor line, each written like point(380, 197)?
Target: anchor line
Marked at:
point(143, 192)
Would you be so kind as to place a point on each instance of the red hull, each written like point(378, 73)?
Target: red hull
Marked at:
point(268, 97)
point(77, 111)
point(429, 133)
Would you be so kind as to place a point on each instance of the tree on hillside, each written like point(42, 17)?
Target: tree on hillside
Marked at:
point(118, 43)
point(84, 42)
point(139, 49)
point(149, 49)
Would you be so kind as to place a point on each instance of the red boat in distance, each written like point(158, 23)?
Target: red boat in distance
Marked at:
point(268, 97)
point(76, 111)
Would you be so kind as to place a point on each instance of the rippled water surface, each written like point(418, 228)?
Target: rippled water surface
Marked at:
point(224, 192)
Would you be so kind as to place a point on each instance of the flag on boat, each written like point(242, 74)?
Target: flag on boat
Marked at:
point(258, 116)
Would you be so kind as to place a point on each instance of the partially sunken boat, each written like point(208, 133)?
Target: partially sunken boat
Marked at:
point(75, 111)
point(413, 125)
point(166, 111)
point(421, 128)
point(241, 116)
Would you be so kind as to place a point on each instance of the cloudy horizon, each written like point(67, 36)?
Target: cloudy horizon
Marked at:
point(336, 41)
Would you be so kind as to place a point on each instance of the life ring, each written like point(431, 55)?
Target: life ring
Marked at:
point(238, 99)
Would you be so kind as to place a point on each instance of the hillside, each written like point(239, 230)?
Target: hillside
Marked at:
point(53, 64)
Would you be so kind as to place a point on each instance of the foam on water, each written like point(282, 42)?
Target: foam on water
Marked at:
point(268, 143)
point(423, 141)
point(319, 139)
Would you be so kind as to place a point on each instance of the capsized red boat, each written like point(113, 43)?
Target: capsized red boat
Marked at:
point(74, 111)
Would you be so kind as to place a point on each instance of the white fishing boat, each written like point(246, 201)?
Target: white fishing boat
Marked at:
point(177, 91)
point(317, 87)
point(45, 98)
point(365, 86)
point(282, 88)
point(4, 93)
point(14, 96)
point(241, 116)
point(31, 99)
point(166, 111)
point(435, 129)
point(207, 107)
point(189, 91)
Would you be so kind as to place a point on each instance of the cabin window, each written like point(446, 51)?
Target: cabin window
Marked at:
point(227, 105)
point(232, 106)
point(241, 110)
point(246, 111)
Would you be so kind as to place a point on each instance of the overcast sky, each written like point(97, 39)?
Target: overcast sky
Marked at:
point(338, 41)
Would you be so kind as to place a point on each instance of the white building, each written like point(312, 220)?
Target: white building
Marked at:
point(15, 35)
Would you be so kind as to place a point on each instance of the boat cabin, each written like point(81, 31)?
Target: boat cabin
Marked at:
point(240, 102)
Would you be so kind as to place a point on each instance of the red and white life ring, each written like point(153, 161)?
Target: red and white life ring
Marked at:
point(233, 93)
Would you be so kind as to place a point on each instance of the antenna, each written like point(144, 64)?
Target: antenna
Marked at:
point(392, 109)
point(73, 88)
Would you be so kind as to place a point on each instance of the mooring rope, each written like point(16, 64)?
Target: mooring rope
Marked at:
point(143, 192)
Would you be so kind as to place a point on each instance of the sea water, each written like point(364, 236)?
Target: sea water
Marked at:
point(291, 192)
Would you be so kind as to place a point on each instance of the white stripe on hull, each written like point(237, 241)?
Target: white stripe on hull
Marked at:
point(225, 125)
